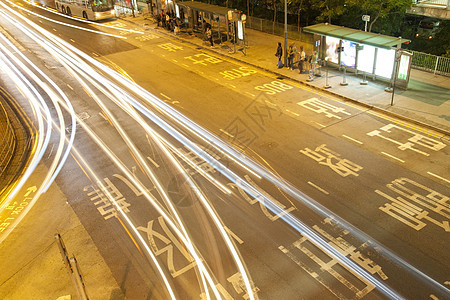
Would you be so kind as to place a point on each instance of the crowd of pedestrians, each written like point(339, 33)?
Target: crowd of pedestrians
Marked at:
point(170, 21)
point(296, 58)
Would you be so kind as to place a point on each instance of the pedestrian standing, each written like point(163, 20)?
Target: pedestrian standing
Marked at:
point(209, 36)
point(279, 54)
point(163, 19)
point(291, 54)
point(301, 62)
point(168, 21)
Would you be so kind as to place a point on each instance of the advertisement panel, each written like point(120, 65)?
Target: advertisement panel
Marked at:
point(332, 45)
point(348, 54)
point(403, 68)
point(366, 57)
point(385, 62)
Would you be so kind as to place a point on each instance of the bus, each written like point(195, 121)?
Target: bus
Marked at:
point(88, 9)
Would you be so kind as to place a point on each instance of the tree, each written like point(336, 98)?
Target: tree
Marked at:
point(380, 10)
point(329, 8)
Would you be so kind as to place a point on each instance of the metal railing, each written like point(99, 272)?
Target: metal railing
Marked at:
point(432, 2)
point(7, 140)
point(294, 32)
point(431, 63)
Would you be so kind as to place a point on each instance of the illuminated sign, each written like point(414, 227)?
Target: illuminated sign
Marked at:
point(385, 62)
point(403, 67)
point(332, 45)
point(348, 54)
point(366, 56)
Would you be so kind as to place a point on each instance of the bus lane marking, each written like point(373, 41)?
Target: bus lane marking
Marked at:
point(333, 160)
point(415, 205)
point(322, 107)
point(416, 142)
point(273, 87)
point(329, 271)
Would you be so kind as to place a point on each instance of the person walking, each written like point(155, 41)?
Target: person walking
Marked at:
point(291, 55)
point(279, 54)
point(301, 62)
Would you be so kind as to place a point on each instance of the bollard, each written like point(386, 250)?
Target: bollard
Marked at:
point(344, 79)
point(311, 74)
point(72, 267)
point(364, 82)
point(326, 86)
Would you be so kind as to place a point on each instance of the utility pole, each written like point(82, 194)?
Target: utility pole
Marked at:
point(285, 33)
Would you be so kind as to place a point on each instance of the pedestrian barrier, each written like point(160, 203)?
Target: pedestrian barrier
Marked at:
point(7, 140)
point(294, 32)
point(431, 63)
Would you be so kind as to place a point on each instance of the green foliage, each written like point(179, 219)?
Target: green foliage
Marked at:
point(329, 9)
point(386, 16)
point(438, 45)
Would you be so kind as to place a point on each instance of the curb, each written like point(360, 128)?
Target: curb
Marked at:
point(23, 130)
point(368, 106)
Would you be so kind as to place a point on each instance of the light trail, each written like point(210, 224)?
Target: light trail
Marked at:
point(53, 11)
point(61, 23)
point(55, 99)
point(38, 104)
point(199, 261)
point(130, 105)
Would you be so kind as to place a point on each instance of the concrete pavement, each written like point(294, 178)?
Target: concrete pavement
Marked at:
point(426, 102)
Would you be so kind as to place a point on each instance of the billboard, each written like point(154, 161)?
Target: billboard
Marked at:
point(348, 54)
point(332, 45)
point(366, 57)
point(385, 62)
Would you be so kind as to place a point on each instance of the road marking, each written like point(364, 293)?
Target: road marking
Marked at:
point(72, 41)
point(437, 176)
point(230, 135)
point(54, 29)
point(70, 87)
point(321, 125)
point(95, 54)
point(233, 235)
point(253, 95)
point(167, 97)
point(352, 139)
point(174, 60)
point(103, 116)
point(294, 113)
point(185, 65)
point(425, 131)
point(51, 151)
point(153, 162)
point(318, 187)
point(392, 156)
point(233, 86)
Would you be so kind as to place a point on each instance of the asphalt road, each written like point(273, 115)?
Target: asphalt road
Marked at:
point(364, 184)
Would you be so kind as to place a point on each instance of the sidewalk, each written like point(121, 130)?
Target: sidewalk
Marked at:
point(426, 101)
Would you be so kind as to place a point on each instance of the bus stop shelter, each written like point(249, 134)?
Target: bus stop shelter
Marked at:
point(220, 18)
point(370, 53)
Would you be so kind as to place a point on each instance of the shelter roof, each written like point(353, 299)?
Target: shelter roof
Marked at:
point(205, 7)
point(354, 35)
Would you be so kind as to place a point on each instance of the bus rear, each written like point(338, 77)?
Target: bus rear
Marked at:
point(88, 9)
